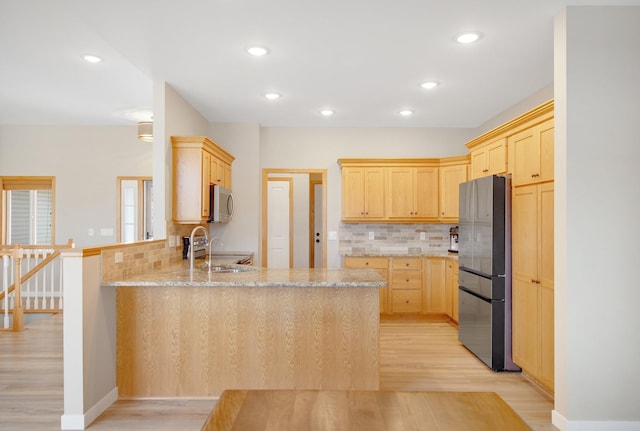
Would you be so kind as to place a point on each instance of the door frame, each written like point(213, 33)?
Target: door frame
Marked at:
point(265, 179)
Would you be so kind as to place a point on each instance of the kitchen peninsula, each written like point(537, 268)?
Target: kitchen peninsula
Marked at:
point(196, 333)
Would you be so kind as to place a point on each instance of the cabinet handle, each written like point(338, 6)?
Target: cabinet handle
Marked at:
point(406, 302)
point(485, 170)
point(366, 263)
point(535, 175)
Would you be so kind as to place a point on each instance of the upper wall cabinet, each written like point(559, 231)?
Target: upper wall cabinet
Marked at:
point(413, 193)
point(489, 158)
point(197, 163)
point(522, 147)
point(363, 193)
point(402, 190)
point(532, 154)
point(453, 171)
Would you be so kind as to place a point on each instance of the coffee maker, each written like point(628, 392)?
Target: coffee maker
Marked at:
point(453, 239)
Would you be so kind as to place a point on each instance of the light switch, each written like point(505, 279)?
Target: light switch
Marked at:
point(423, 236)
point(372, 235)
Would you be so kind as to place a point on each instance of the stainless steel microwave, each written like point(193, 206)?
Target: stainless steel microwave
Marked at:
point(220, 204)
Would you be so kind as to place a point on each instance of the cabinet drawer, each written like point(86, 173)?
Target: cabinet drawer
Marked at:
point(406, 301)
point(406, 263)
point(366, 262)
point(406, 279)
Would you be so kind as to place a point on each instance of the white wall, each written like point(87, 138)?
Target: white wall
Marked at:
point(85, 161)
point(172, 116)
point(597, 291)
point(243, 142)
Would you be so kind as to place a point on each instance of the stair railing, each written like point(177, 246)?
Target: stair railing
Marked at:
point(31, 281)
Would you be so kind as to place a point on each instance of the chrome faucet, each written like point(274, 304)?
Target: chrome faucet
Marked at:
point(211, 248)
point(191, 253)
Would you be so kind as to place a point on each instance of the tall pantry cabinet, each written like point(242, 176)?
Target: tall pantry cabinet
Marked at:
point(531, 154)
point(524, 148)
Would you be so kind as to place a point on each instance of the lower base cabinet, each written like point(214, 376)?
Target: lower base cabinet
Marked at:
point(451, 289)
point(381, 265)
point(416, 285)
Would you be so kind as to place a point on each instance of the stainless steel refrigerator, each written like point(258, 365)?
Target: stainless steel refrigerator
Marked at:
point(484, 254)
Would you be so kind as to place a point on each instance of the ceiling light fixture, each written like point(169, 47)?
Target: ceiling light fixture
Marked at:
point(327, 112)
point(406, 112)
point(257, 51)
point(145, 131)
point(272, 96)
point(429, 85)
point(90, 58)
point(468, 37)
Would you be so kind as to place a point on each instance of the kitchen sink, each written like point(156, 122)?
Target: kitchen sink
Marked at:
point(225, 268)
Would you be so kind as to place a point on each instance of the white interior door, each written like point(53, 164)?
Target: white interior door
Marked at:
point(279, 223)
point(317, 228)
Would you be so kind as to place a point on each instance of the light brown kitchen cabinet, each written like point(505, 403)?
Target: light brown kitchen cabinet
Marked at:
point(220, 172)
point(193, 158)
point(451, 289)
point(450, 178)
point(363, 193)
point(532, 154)
point(435, 301)
point(412, 193)
point(489, 158)
point(381, 265)
point(532, 285)
point(406, 289)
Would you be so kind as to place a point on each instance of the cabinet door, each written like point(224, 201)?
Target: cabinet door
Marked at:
point(451, 289)
point(425, 195)
point(435, 275)
point(526, 157)
point(545, 132)
point(450, 179)
point(479, 163)
point(205, 175)
point(401, 195)
point(525, 322)
point(352, 193)
point(374, 197)
point(497, 157)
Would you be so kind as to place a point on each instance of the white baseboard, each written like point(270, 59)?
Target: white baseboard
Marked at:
point(563, 424)
point(80, 422)
point(558, 420)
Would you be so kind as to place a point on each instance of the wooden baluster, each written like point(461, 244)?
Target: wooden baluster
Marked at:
point(5, 289)
point(28, 267)
point(18, 320)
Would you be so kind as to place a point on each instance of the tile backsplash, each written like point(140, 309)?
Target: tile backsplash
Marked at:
point(393, 238)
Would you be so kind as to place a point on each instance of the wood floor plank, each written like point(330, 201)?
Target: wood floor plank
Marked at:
point(414, 356)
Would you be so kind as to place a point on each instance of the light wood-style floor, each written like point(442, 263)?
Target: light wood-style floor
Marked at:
point(415, 356)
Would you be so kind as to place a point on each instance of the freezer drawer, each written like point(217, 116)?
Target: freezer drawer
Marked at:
point(489, 287)
point(481, 328)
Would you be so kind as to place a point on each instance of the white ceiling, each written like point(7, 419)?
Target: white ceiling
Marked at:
point(363, 58)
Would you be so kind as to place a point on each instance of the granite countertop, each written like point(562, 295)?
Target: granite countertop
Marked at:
point(383, 253)
point(179, 274)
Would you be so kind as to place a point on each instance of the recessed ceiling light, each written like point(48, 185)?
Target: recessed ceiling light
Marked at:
point(272, 96)
point(327, 112)
point(257, 51)
point(429, 85)
point(92, 58)
point(468, 37)
point(406, 112)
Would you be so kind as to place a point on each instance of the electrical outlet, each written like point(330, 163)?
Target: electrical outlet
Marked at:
point(423, 236)
point(118, 257)
point(90, 232)
point(372, 235)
